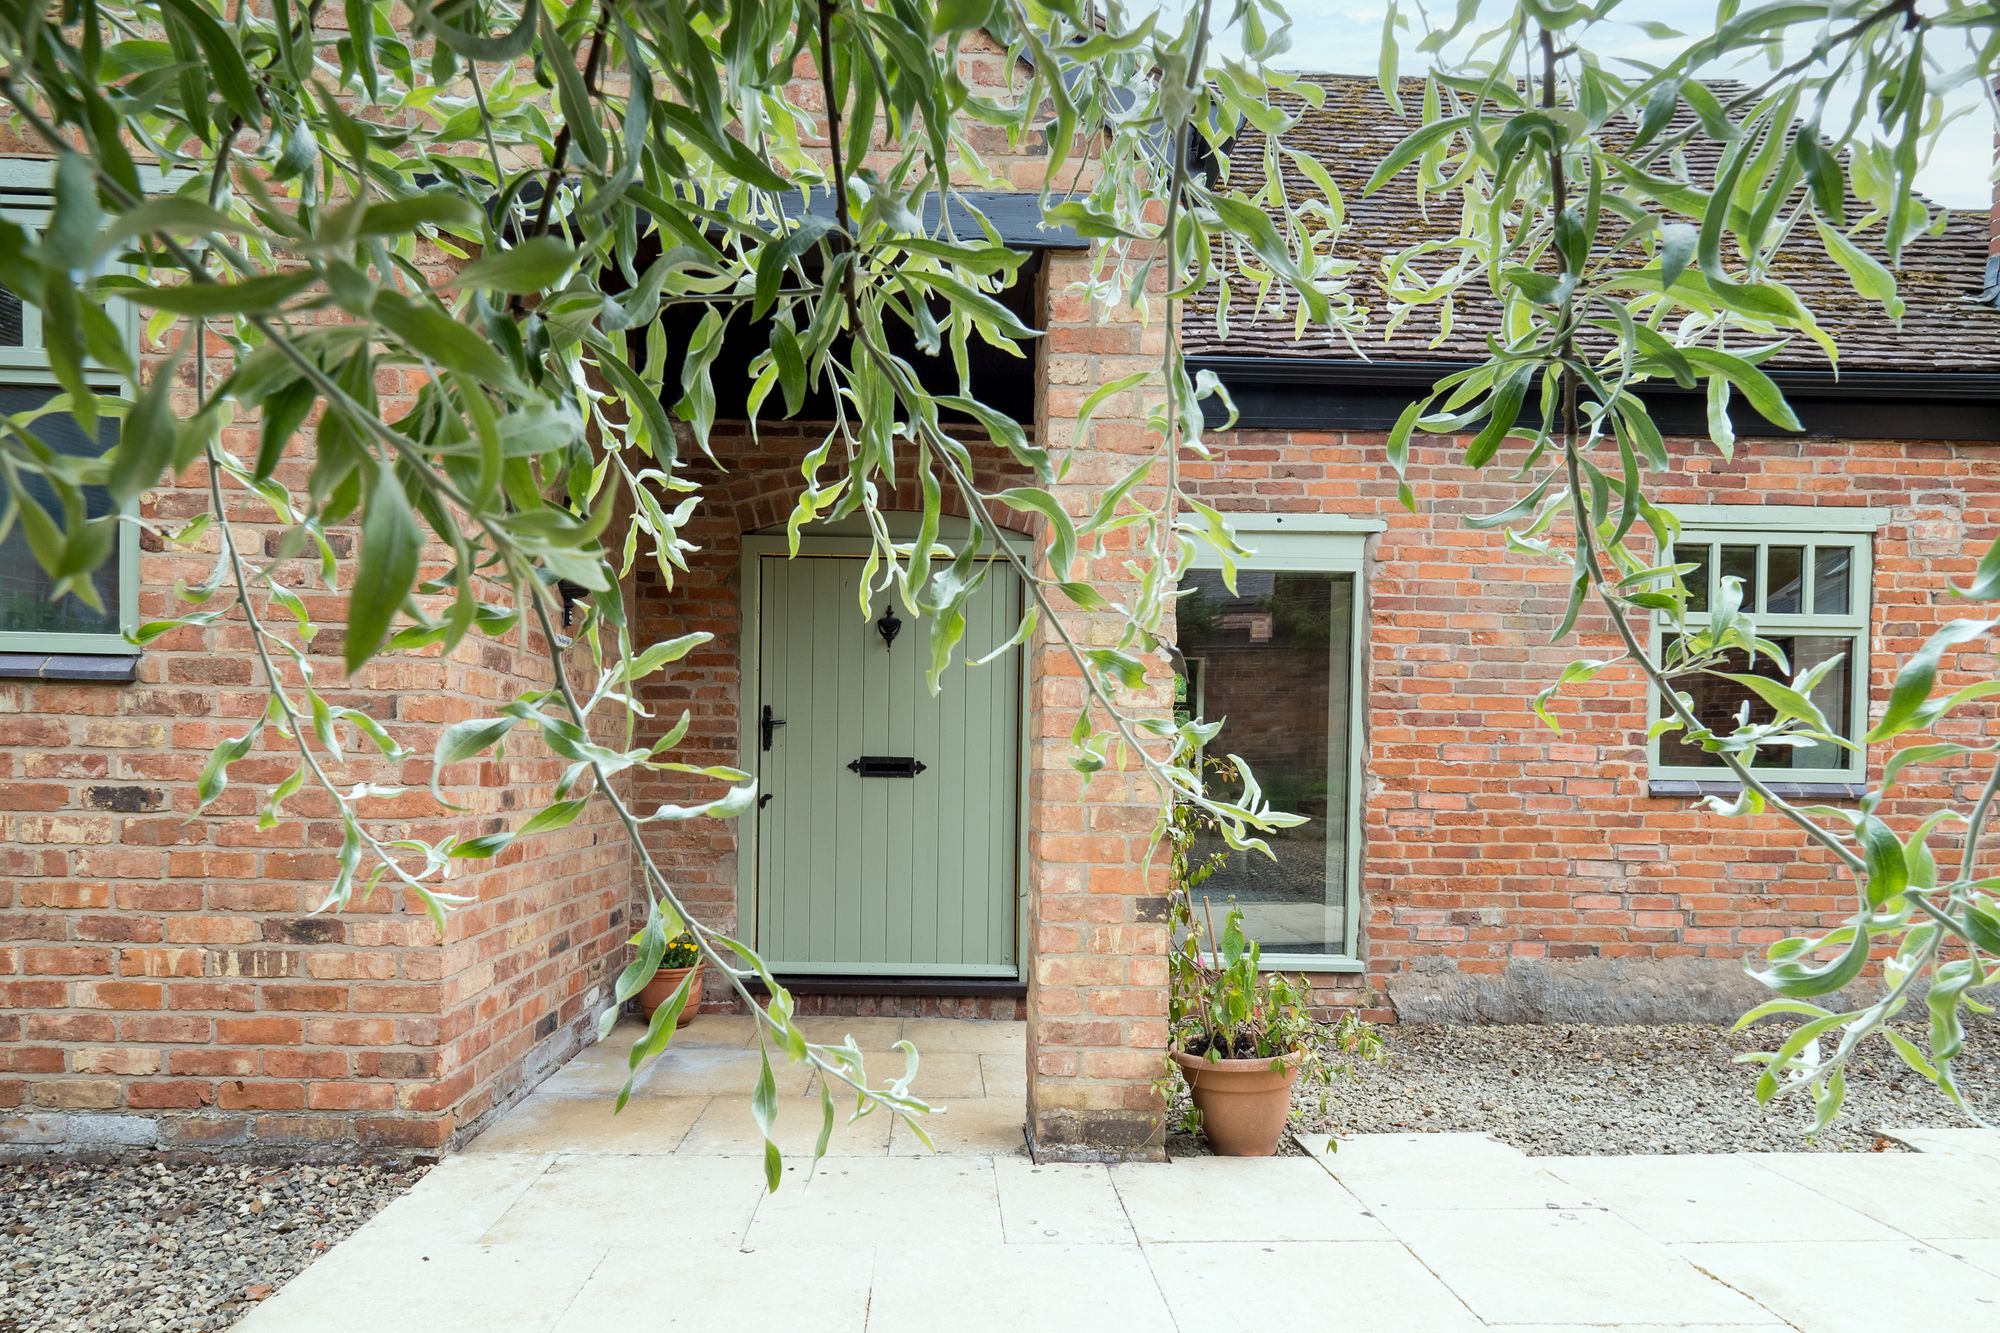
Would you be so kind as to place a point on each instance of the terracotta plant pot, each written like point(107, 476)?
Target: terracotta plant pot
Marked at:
point(1243, 1103)
point(662, 987)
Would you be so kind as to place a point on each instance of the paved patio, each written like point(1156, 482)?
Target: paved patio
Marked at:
point(563, 1218)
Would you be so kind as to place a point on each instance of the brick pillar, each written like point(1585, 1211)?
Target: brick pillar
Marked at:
point(1097, 976)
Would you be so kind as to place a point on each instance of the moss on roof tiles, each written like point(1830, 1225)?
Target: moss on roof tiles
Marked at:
point(1945, 327)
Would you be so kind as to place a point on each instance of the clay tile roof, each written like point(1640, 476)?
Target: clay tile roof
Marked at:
point(1945, 328)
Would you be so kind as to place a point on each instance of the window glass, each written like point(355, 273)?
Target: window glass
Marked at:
point(25, 603)
point(1273, 662)
point(1818, 584)
point(1786, 566)
point(1696, 579)
point(1830, 579)
point(1720, 703)
point(13, 327)
point(1740, 562)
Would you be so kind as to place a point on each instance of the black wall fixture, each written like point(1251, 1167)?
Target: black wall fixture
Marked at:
point(889, 627)
point(571, 594)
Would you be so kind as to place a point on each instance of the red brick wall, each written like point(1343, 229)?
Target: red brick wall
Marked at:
point(1533, 868)
point(163, 976)
point(1097, 1000)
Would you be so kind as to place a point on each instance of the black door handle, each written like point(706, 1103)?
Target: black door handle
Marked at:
point(770, 725)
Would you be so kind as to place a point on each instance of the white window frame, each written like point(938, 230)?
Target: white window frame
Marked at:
point(25, 198)
point(1320, 544)
point(1765, 526)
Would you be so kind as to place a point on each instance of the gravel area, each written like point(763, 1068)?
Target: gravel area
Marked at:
point(1575, 1089)
point(139, 1245)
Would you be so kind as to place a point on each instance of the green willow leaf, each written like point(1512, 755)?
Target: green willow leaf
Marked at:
point(391, 545)
point(252, 296)
point(1919, 673)
point(1761, 390)
point(535, 265)
point(222, 60)
point(441, 19)
point(146, 440)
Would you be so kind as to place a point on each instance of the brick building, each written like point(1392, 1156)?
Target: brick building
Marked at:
point(166, 981)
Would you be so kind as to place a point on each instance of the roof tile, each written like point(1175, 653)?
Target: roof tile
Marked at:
point(1945, 328)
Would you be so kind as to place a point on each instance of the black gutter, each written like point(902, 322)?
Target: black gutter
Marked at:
point(1281, 393)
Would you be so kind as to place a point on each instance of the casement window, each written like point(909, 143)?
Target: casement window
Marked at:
point(31, 621)
point(1806, 579)
point(1278, 662)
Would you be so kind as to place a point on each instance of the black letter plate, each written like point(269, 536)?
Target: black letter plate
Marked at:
point(887, 766)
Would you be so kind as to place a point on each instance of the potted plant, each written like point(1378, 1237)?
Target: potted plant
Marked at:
point(1241, 1037)
point(680, 959)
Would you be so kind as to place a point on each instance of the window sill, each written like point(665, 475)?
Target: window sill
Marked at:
point(1791, 791)
point(1310, 962)
point(111, 668)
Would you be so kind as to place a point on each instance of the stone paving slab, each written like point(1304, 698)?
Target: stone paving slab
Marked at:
point(1858, 1286)
point(1920, 1194)
point(563, 1218)
point(439, 1287)
point(942, 1076)
point(980, 1126)
point(550, 1123)
point(1357, 1286)
point(1005, 1075)
point(1059, 1203)
point(870, 1034)
point(727, 1128)
point(734, 1030)
point(1389, 1171)
point(1714, 1198)
point(1517, 1266)
point(973, 1036)
point(701, 1071)
point(940, 1200)
point(925, 1288)
point(1981, 1254)
point(671, 1201)
point(459, 1199)
point(703, 1290)
point(1239, 1199)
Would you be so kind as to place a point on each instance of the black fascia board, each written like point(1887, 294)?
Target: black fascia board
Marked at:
point(1282, 393)
point(1015, 214)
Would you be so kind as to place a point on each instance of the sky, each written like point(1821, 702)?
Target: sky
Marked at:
point(1345, 36)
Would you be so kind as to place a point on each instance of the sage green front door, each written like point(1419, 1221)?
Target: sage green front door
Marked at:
point(887, 838)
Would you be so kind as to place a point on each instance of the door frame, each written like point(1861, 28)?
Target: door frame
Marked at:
point(847, 540)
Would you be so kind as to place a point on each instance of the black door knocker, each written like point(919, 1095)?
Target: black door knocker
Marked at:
point(889, 627)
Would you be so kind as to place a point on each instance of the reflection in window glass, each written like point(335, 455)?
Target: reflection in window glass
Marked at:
point(1830, 579)
point(1720, 703)
point(1740, 562)
point(1786, 566)
point(13, 329)
point(1273, 663)
point(1696, 579)
point(25, 604)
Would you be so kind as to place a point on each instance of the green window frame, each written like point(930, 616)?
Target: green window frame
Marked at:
point(25, 199)
point(1321, 544)
point(1789, 558)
